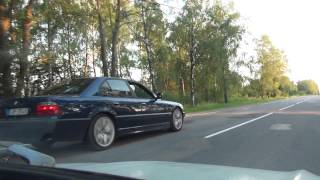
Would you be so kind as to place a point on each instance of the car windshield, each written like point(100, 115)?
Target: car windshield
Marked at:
point(73, 87)
point(156, 88)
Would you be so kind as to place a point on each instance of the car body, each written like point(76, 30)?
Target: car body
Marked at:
point(36, 164)
point(67, 114)
point(158, 170)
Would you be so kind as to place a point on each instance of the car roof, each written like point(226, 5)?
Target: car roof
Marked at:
point(98, 80)
point(117, 78)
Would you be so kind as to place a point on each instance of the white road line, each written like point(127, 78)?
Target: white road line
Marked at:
point(292, 105)
point(250, 121)
point(236, 126)
point(287, 107)
point(301, 102)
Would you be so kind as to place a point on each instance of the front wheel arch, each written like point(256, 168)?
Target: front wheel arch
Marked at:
point(172, 127)
point(178, 107)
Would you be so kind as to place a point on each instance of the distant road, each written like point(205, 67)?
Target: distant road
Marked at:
point(281, 135)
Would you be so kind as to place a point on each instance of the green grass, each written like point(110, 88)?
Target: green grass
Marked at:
point(233, 102)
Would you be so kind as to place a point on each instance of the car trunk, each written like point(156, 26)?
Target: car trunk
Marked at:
point(20, 119)
point(20, 108)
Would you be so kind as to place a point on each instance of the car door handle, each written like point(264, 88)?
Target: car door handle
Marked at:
point(144, 103)
point(116, 103)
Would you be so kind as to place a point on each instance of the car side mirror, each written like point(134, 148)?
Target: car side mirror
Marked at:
point(158, 95)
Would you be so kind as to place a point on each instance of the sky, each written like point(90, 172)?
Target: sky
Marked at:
point(292, 25)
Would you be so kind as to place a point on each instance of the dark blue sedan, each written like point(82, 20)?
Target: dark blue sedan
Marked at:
point(95, 110)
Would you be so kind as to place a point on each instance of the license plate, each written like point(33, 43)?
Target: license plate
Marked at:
point(18, 111)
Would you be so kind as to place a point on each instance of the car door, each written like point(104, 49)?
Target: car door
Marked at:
point(151, 111)
point(119, 93)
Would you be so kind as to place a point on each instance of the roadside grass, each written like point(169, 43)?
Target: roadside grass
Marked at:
point(233, 102)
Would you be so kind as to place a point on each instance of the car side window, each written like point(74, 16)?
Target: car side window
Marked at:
point(115, 88)
point(140, 92)
point(105, 89)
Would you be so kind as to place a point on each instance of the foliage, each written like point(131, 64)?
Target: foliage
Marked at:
point(192, 58)
point(234, 102)
point(272, 66)
point(308, 87)
point(287, 87)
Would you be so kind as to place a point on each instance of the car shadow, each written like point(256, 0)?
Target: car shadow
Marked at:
point(63, 149)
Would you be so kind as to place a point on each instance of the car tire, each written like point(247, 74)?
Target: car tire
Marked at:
point(101, 133)
point(176, 120)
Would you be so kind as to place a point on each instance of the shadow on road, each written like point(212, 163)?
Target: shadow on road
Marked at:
point(71, 148)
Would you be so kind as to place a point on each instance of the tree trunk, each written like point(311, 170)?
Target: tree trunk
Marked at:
point(182, 88)
point(51, 60)
point(114, 43)
point(6, 58)
point(86, 69)
point(193, 67)
point(225, 68)
point(192, 84)
point(103, 49)
point(69, 54)
point(128, 72)
point(147, 47)
point(215, 89)
point(70, 63)
point(27, 87)
point(225, 88)
point(93, 61)
point(27, 23)
point(121, 74)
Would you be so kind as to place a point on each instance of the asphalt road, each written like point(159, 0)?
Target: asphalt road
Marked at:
point(281, 135)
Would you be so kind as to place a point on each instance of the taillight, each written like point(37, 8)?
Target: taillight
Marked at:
point(48, 109)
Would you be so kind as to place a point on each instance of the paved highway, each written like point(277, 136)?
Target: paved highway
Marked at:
point(281, 135)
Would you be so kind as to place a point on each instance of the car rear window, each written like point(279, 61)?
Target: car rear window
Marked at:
point(73, 87)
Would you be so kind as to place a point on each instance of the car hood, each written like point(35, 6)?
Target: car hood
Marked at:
point(171, 103)
point(155, 170)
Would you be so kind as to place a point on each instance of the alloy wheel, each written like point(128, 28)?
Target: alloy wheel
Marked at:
point(104, 131)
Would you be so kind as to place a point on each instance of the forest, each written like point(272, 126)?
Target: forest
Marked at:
point(192, 54)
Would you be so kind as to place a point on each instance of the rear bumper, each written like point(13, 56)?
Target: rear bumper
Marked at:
point(35, 130)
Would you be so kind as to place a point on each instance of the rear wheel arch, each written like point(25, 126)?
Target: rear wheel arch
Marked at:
point(110, 115)
point(104, 111)
point(92, 138)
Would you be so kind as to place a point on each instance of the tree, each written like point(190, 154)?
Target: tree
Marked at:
point(115, 37)
point(193, 58)
point(273, 65)
point(308, 87)
point(222, 42)
point(102, 37)
point(6, 18)
point(187, 28)
point(24, 64)
point(287, 87)
point(252, 89)
point(151, 35)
